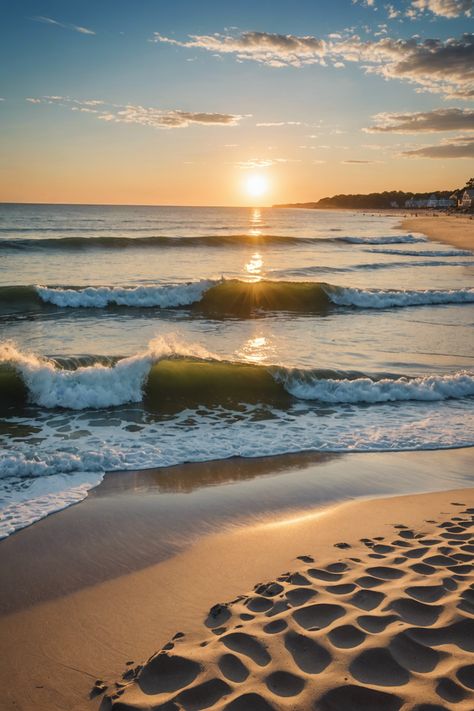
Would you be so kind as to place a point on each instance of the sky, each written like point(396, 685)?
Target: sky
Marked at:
point(213, 102)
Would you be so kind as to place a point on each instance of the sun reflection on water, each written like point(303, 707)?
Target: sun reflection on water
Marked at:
point(258, 349)
point(256, 223)
point(254, 265)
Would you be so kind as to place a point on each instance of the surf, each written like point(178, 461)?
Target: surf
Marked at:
point(169, 373)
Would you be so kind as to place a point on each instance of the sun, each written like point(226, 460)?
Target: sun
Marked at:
point(256, 185)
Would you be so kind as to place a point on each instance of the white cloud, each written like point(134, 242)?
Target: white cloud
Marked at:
point(426, 121)
point(434, 65)
point(459, 147)
point(267, 124)
point(258, 163)
point(275, 50)
point(65, 25)
point(445, 8)
point(142, 115)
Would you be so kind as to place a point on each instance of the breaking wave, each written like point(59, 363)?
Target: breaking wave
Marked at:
point(227, 296)
point(82, 242)
point(168, 373)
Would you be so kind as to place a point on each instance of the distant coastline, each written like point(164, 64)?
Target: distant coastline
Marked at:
point(459, 199)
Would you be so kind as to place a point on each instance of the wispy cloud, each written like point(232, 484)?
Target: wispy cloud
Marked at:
point(459, 147)
point(275, 50)
point(269, 124)
point(434, 65)
point(142, 115)
point(358, 162)
point(65, 25)
point(454, 119)
point(445, 8)
point(258, 163)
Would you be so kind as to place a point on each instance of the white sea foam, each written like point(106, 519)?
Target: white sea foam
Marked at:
point(214, 435)
point(42, 497)
point(388, 239)
point(383, 299)
point(96, 386)
point(424, 252)
point(99, 297)
point(366, 390)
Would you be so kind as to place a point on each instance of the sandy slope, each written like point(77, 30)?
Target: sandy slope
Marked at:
point(450, 229)
point(388, 629)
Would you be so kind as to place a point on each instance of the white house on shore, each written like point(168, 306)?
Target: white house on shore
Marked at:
point(433, 202)
point(467, 199)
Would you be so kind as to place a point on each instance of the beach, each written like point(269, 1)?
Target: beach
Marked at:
point(457, 230)
point(95, 593)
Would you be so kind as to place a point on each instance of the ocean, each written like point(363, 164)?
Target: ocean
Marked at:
point(138, 337)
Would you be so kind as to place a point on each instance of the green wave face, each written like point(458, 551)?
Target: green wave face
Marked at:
point(240, 298)
point(13, 391)
point(188, 383)
point(15, 299)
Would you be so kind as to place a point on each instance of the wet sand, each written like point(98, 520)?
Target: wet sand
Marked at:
point(457, 230)
point(112, 579)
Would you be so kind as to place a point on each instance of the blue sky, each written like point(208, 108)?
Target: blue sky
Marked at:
point(158, 101)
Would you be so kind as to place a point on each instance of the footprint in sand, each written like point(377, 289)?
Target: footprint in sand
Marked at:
point(426, 593)
point(415, 612)
point(466, 676)
point(448, 690)
point(308, 655)
point(165, 673)
point(300, 596)
point(377, 666)
point(367, 599)
point(249, 702)
point(346, 636)
point(376, 623)
point(203, 695)
point(247, 645)
point(358, 698)
point(315, 617)
point(283, 683)
point(412, 655)
point(233, 668)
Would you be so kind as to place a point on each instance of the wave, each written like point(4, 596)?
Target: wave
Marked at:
point(168, 373)
point(226, 297)
point(114, 242)
point(374, 266)
point(388, 239)
point(156, 241)
point(424, 252)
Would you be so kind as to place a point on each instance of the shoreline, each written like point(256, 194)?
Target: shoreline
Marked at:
point(56, 568)
point(457, 231)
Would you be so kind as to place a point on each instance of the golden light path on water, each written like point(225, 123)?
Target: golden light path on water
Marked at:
point(258, 349)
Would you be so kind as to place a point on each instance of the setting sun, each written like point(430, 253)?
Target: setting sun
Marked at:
point(256, 185)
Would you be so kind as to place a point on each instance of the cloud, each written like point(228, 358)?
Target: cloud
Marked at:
point(142, 115)
point(275, 50)
point(65, 25)
point(357, 162)
point(258, 163)
point(459, 147)
point(279, 123)
point(445, 8)
point(438, 66)
point(434, 65)
point(428, 122)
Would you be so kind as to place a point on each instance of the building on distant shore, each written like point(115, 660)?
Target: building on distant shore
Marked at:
point(433, 202)
point(467, 199)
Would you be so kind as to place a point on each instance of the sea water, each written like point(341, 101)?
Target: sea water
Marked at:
point(136, 337)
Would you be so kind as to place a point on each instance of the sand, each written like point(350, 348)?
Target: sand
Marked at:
point(457, 230)
point(96, 586)
point(385, 626)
